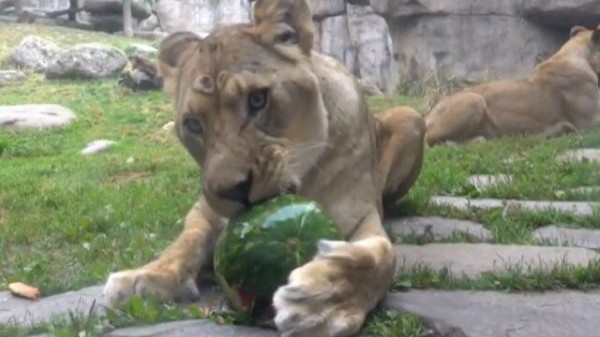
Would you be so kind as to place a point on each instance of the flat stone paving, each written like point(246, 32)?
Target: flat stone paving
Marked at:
point(21, 311)
point(470, 260)
point(441, 228)
point(579, 208)
point(591, 155)
point(484, 181)
point(496, 314)
point(558, 235)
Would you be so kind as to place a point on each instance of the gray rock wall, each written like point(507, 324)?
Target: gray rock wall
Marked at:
point(355, 35)
point(477, 40)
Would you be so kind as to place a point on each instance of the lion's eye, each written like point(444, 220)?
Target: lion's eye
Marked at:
point(290, 37)
point(193, 125)
point(257, 101)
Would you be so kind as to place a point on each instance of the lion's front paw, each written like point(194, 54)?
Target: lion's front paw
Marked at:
point(149, 282)
point(331, 295)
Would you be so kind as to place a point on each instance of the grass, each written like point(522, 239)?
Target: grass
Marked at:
point(67, 220)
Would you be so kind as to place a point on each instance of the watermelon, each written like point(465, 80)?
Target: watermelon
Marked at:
point(258, 249)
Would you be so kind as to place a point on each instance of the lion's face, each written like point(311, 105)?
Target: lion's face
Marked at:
point(590, 38)
point(248, 109)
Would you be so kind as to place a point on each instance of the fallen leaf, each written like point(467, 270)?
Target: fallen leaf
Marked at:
point(24, 290)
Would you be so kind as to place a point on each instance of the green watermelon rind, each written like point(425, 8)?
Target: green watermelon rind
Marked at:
point(252, 234)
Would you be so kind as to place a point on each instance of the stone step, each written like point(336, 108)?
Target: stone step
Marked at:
point(470, 260)
point(438, 227)
point(591, 155)
point(196, 328)
point(560, 235)
point(22, 311)
point(577, 208)
point(482, 182)
point(460, 259)
point(495, 314)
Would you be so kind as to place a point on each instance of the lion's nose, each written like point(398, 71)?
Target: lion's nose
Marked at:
point(239, 192)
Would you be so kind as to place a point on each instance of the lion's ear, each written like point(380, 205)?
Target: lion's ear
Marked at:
point(173, 49)
point(287, 22)
point(576, 30)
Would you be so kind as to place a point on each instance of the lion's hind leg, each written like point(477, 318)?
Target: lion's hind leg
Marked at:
point(401, 154)
point(457, 118)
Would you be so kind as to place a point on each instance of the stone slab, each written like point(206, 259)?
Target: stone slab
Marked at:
point(580, 208)
point(470, 260)
point(10, 76)
point(564, 236)
point(441, 228)
point(22, 311)
point(34, 116)
point(196, 328)
point(592, 155)
point(482, 182)
point(495, 314)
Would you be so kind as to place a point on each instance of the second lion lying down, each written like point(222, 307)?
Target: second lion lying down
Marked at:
point(262, 113)
point(561, 96)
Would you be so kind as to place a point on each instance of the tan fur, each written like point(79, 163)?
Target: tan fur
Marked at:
point(314, 135)
point(561, 96)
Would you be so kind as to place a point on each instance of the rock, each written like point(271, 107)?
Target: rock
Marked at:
point(34, 53)
point(87, 61)
point(323, 9)
point(583, 155)
point(149, 24)
point(115, 7)
point(369, 88)
point(196, 328)
point(564, 236)
point(10, 76)
point(34, 116)
point(141, 50)
point(425, 46)
point(97, 146)
point(483, 181)
point(21, 311)
point(200, 16)
point(169, 127)
point(580, 208)
point(471, 260)
point(370, 36)
point(563, 13)
point(495, 314)
point(441, 228)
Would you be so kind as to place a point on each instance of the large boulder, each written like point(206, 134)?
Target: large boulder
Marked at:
point(87, 61)
point(469, 48)
point(563, 13)
point(34, 53)
point(472, 41)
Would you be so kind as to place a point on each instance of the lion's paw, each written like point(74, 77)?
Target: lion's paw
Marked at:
point(323, 298)
point(145, 282)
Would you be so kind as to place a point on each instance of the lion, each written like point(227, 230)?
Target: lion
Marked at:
point(561, 96)
point(263, 114)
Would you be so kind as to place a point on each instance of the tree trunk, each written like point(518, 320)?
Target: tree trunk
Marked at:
point(18, 7)
point(73, 6)
point(127, 18)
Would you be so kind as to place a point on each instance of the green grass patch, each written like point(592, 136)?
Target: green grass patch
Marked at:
point(516, 278)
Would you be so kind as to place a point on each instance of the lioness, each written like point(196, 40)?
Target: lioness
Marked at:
point(561, 96)
point(262, 113)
